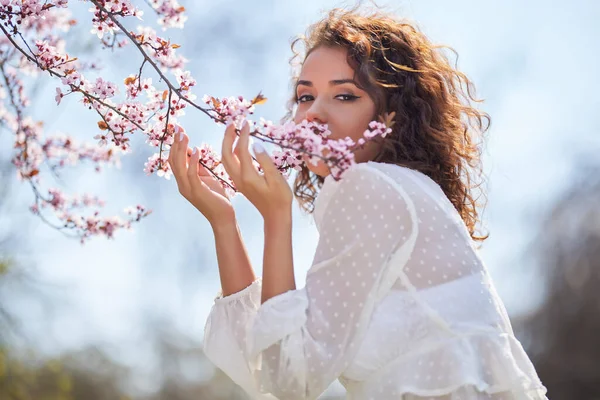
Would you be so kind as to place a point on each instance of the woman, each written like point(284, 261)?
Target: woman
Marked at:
point(397, 303)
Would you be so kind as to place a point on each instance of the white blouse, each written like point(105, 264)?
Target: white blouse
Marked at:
point(397, 305)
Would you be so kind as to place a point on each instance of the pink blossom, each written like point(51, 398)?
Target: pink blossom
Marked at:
point(59, 96)
point(171, 13)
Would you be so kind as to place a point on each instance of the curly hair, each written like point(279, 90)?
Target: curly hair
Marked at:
point(437, 131)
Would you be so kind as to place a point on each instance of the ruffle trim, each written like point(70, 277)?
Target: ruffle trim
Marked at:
point(269, 322)
point(249, 291)
point(278, 317)
point(471, 392)
point(489, 362)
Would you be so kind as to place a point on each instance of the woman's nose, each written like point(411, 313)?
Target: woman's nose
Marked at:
point(316, 114)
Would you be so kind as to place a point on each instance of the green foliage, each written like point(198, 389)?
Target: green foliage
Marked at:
point(4, 266)
point(31, 379)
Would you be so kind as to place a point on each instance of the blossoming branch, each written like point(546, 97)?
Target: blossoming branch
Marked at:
point(147, 109)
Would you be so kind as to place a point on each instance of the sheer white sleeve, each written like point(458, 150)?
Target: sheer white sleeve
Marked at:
point(297, 343)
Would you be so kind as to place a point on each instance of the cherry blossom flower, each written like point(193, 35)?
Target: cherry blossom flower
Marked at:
point(59, 96)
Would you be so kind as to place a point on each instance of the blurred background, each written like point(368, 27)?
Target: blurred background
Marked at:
point(124, 318)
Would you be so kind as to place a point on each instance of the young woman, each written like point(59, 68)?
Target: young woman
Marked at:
point(398, 303)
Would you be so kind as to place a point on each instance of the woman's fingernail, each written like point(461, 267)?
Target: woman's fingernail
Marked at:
point(180, 136)
point(258, 148)
point(195, 151)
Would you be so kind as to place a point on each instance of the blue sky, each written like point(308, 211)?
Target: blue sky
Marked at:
point(534, 62)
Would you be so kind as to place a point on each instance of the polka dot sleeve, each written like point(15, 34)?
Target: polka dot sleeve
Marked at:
point(297, 343)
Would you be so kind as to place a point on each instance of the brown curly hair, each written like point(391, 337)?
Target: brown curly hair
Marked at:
point(437, 131)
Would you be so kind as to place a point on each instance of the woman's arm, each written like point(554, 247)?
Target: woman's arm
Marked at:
point(278, 264)
point(206, 193)
point(270, 193)
point(235, 270)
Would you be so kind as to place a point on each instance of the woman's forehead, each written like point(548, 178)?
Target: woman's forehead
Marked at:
point(327, 63)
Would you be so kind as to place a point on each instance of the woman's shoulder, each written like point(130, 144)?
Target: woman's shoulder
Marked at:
point(358, 175)
point(392, 177)
point(408, 178)
point(369, 169)
point(366, 183)
point(360, 183)
point(413, 186)
point(397, 171)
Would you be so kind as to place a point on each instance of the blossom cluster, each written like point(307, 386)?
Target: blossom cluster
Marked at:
point(31, 44)
point(171, 13)
point(85, 227)
point(305, 140)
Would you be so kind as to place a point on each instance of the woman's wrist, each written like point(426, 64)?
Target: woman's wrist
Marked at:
point(278, 218)
point(222, 225)
point(235, 270)
point(278, 265)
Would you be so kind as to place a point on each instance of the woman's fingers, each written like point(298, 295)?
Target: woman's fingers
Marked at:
point(230, 160)
point(271, 173)
point(210, 180)
point(266, 162)
point(196, 184)
point(178, 160)
point(178, 151)
point(248, 171)
point(203, 171)
point(214, 185)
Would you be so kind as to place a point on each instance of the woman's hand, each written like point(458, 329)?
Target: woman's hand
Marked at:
point(270, 193)
point(197, 184)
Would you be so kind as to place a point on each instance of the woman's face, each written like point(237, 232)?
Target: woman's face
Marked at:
point(327, 94)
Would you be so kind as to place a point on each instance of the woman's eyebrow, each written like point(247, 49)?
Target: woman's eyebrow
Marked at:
point(331, 83)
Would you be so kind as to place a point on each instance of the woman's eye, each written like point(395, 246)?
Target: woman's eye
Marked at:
point(302, 98)
point(348, 97)
point(343, 97)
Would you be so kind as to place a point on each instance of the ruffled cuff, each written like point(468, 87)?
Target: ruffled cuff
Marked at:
point(225, 331)
point(251, 293)
point(277, 318)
